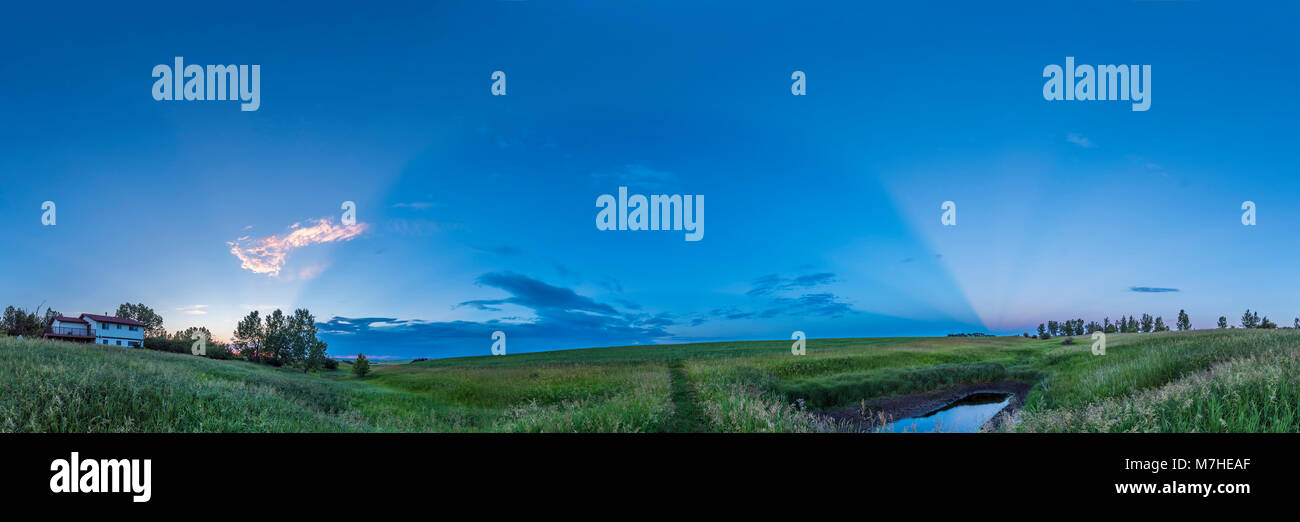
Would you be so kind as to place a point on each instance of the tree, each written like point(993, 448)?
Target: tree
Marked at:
point(361, 366)
point(1148, 323)
point(276, 330)
point(1184, 322)
point(188, 333)
point(18, 321)
point(1042, 332)
point(1267, 324)
point(1160, 325)
point(153, 323)
point(302, 346)
point(1223, 322)
point(316, 358)
point(1248, 320)
point(249, 335)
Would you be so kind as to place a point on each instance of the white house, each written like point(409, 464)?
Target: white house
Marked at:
point(98, 329)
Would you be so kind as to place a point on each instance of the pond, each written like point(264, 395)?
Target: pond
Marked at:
point(965, 415)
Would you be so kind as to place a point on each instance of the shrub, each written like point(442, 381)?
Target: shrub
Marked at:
point(220, 351)
point(1067, 340)
point(164, 344)
point(361, 367)
point(331, 364)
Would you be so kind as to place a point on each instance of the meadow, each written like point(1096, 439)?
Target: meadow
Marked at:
point(1232, 380)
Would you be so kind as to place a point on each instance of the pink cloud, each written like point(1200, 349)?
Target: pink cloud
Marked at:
point(267, 255)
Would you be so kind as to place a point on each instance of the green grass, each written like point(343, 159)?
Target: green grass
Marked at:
point(1216, 380)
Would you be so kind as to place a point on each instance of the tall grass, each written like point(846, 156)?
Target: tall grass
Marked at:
point(1256, 393)
point(1221, 380)
point(52, 386)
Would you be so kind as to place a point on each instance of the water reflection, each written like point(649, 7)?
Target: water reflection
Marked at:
point(966, 415)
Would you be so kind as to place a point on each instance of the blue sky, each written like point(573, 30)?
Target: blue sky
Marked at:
point(477, 212)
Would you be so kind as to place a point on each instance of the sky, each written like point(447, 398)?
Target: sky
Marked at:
point(476, 213)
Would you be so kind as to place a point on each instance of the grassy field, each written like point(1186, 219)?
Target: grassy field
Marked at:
point(1201, 381)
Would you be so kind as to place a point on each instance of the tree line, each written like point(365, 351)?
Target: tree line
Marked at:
point(18, 321)
point(1145, 324)
point(282, 340)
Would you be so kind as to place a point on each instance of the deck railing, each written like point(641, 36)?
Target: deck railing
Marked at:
point(71, 331)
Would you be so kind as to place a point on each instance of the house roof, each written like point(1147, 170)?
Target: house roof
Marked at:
point(110, 319)
point(70, 320)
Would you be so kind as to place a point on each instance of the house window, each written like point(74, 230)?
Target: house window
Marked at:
point(105, 341)
point(119, 343)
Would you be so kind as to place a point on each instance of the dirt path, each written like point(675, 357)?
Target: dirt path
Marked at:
point(888, 409)
point(687, 415)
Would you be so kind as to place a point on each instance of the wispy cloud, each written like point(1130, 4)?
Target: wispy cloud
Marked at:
point(772, 283)
point(267, 255)
point(1080, 141)
point(1151, 289)
point(562, 318)
point(417, 205)
point(823, 304)
point(197, 309)
point(776, 295)
point(540, 296)
point(311, 271)
point(638, 177)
